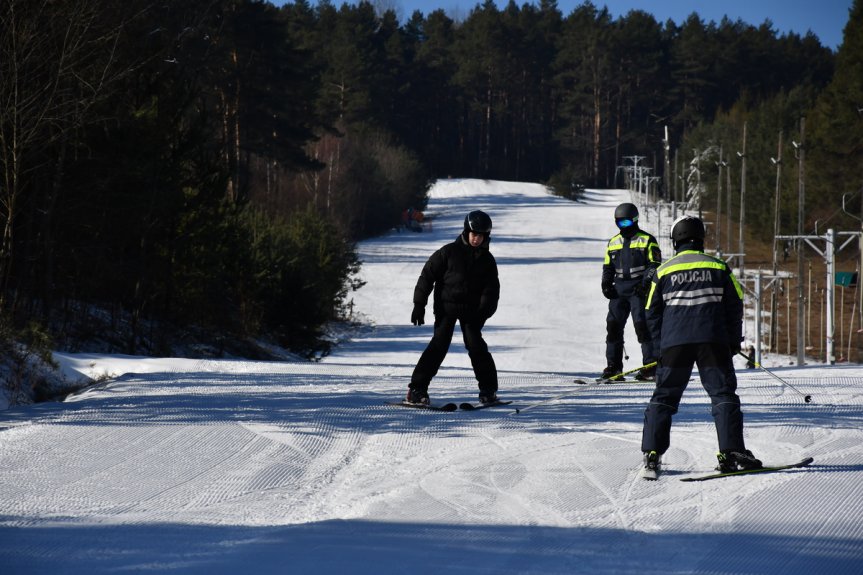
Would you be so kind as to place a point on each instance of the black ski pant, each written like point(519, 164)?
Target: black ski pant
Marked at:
point(480, 358)
point(619, 310)
point(672, 376)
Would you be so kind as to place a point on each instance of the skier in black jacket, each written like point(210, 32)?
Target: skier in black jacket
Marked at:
point(630, 257)
point(463, 276)
point(695, 314)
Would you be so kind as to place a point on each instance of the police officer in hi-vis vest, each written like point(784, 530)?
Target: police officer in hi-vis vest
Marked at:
point(695, 315)
point(630, 257)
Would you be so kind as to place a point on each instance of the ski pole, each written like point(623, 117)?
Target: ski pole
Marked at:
point(806, 398)
point(616, 375)
point(570, 393)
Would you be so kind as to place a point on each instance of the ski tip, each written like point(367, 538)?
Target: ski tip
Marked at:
point(472, 407)
point(445, 407)
point(609, 380)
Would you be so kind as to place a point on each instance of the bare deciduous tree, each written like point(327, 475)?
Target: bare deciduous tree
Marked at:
point(57, 59)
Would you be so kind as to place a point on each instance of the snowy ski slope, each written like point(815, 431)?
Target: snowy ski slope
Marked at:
point(190, 466)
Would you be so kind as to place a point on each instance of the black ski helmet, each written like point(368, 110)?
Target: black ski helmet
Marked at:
point(626, 211)
point(477, 222)
point(687, 229)
point(626, 219)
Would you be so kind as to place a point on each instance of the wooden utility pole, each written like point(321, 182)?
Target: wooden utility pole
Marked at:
point(777, 161)
point(742, 155)
point(718, 232)
point(801, 201)
point(728, 241)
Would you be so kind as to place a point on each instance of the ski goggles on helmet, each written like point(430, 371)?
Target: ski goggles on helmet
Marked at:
point(625, 222)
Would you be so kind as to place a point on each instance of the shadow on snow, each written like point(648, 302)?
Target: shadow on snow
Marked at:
point(352, 546)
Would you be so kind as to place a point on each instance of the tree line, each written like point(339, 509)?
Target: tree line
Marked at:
point(211, 163)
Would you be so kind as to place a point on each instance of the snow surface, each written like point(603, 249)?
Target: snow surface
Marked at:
point(193, 466)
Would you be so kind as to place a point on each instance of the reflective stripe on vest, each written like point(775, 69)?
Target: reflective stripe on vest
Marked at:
point(693, 261)
point(640, 241)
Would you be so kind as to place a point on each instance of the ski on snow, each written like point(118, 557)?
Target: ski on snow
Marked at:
point(621, 377)
point(595, 381)
point(765, 469)
point(610, 380)
point(428, 406)
point(448, 406)
point(474, 407)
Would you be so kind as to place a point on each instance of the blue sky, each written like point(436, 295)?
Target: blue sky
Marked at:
point(826, 18)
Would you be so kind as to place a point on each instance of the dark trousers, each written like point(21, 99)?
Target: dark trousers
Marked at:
point(672, 377)
point(618, 310)
point(434, 354)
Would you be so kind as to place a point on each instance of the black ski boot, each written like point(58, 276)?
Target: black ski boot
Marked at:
point(730, 461)
point(646, 374)
point(417, 396)
point(610, 372)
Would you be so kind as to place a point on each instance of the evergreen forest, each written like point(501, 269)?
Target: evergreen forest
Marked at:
point(172, 169)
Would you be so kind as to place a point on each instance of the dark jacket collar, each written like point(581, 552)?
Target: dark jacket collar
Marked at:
point(630, 231)
point(693, 245)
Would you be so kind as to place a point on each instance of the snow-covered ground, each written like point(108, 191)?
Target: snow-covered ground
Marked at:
point(190, 466)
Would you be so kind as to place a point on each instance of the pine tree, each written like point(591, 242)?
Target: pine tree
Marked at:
point(836, 125)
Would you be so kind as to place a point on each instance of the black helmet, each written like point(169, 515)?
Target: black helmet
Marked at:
point(477, 222)
point(687, 229)
point(626, 219)
point(626, 211)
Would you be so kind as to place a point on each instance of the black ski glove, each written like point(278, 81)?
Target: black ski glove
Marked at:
point(418, 316)
point(609, 291)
